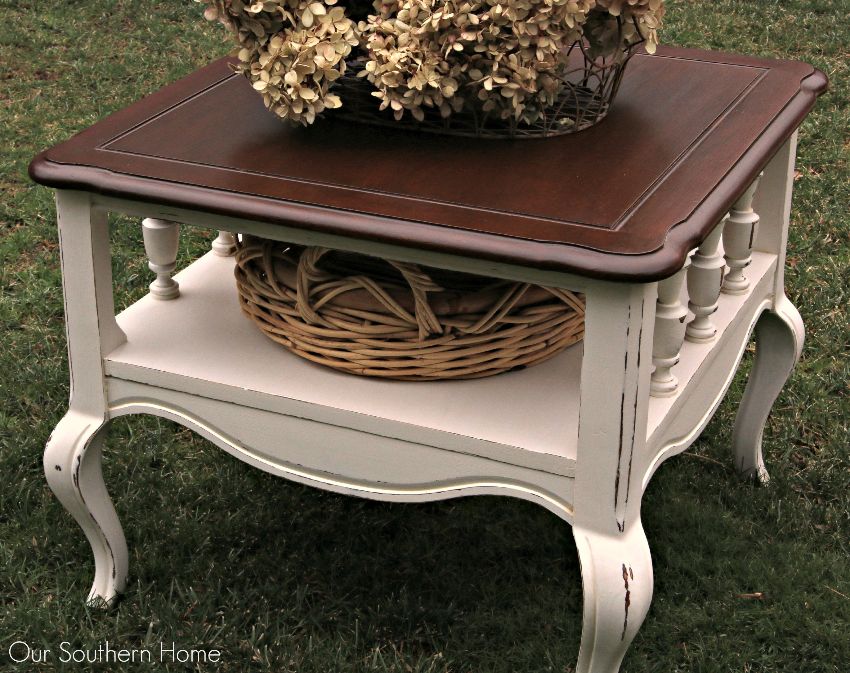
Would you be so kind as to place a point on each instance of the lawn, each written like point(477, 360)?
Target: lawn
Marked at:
point(284, 578)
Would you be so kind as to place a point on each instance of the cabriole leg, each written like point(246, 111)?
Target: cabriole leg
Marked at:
point(73, 469)
point(779, 342)
point(616, 575)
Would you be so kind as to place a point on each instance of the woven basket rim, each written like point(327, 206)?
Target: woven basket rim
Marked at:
point(445, 302)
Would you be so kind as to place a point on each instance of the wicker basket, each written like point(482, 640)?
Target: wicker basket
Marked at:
point(394, 320)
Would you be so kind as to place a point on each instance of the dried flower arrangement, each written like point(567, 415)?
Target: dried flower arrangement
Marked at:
point(545, 66)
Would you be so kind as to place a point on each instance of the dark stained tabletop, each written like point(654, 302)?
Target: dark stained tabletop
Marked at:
point(626, 199)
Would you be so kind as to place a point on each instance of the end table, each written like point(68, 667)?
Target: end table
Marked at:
point(671, 218)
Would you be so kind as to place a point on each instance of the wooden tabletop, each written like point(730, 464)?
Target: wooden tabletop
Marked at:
point(626, 199)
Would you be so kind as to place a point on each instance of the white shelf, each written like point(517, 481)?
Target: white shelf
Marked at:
point(202, 344)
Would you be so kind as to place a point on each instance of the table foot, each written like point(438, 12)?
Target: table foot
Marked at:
point(779, 342)
point(72, 464)
point(616, 576)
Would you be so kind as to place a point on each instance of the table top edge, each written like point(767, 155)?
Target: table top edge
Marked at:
point(657, 260)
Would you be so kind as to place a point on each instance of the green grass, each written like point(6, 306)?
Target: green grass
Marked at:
point(283, 578)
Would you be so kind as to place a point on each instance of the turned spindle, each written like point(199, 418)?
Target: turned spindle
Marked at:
point(161, 241)
point(738, 236)
point(705, 278)
point(225, 244)
point(670, 315)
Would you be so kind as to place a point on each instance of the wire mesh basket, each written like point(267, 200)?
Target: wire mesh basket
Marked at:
point(589, 86)
point(527, 69)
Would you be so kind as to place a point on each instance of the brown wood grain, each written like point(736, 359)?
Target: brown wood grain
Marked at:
point(626, 199)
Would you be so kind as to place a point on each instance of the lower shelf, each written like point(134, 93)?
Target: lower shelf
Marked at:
point(200, 343)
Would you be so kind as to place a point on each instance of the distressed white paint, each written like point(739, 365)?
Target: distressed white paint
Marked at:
point(161, 240)
point(580, 435)
point(617, 582)
point(616, 565)
point(72, 455)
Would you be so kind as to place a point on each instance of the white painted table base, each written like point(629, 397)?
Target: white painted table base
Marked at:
point(587, 455)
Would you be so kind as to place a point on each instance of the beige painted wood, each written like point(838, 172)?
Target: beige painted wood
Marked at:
point(779, 333)
point(773, 203)
point(581, 435)
point(723, 352)
point(225, 244)
point(687, 417)
point(670, 315)
point(305, 237)
point(705, 278)
point(339, 458)
point(738, 236)
point(161, 241)
point(72, 457)
point(501, 417)
point(779, 343)
point(616, 565)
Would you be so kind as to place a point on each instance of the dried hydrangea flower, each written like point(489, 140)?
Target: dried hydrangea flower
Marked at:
point(501, 58)
point(640, 16)
point(291, 50)
point(502, 55)
point(403, 60)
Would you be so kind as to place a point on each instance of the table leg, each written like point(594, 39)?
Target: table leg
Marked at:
point(616, 565)
point(779, 342)
point(73, 469)
point(72, 456)
point(779, 332)
point(616, 575)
